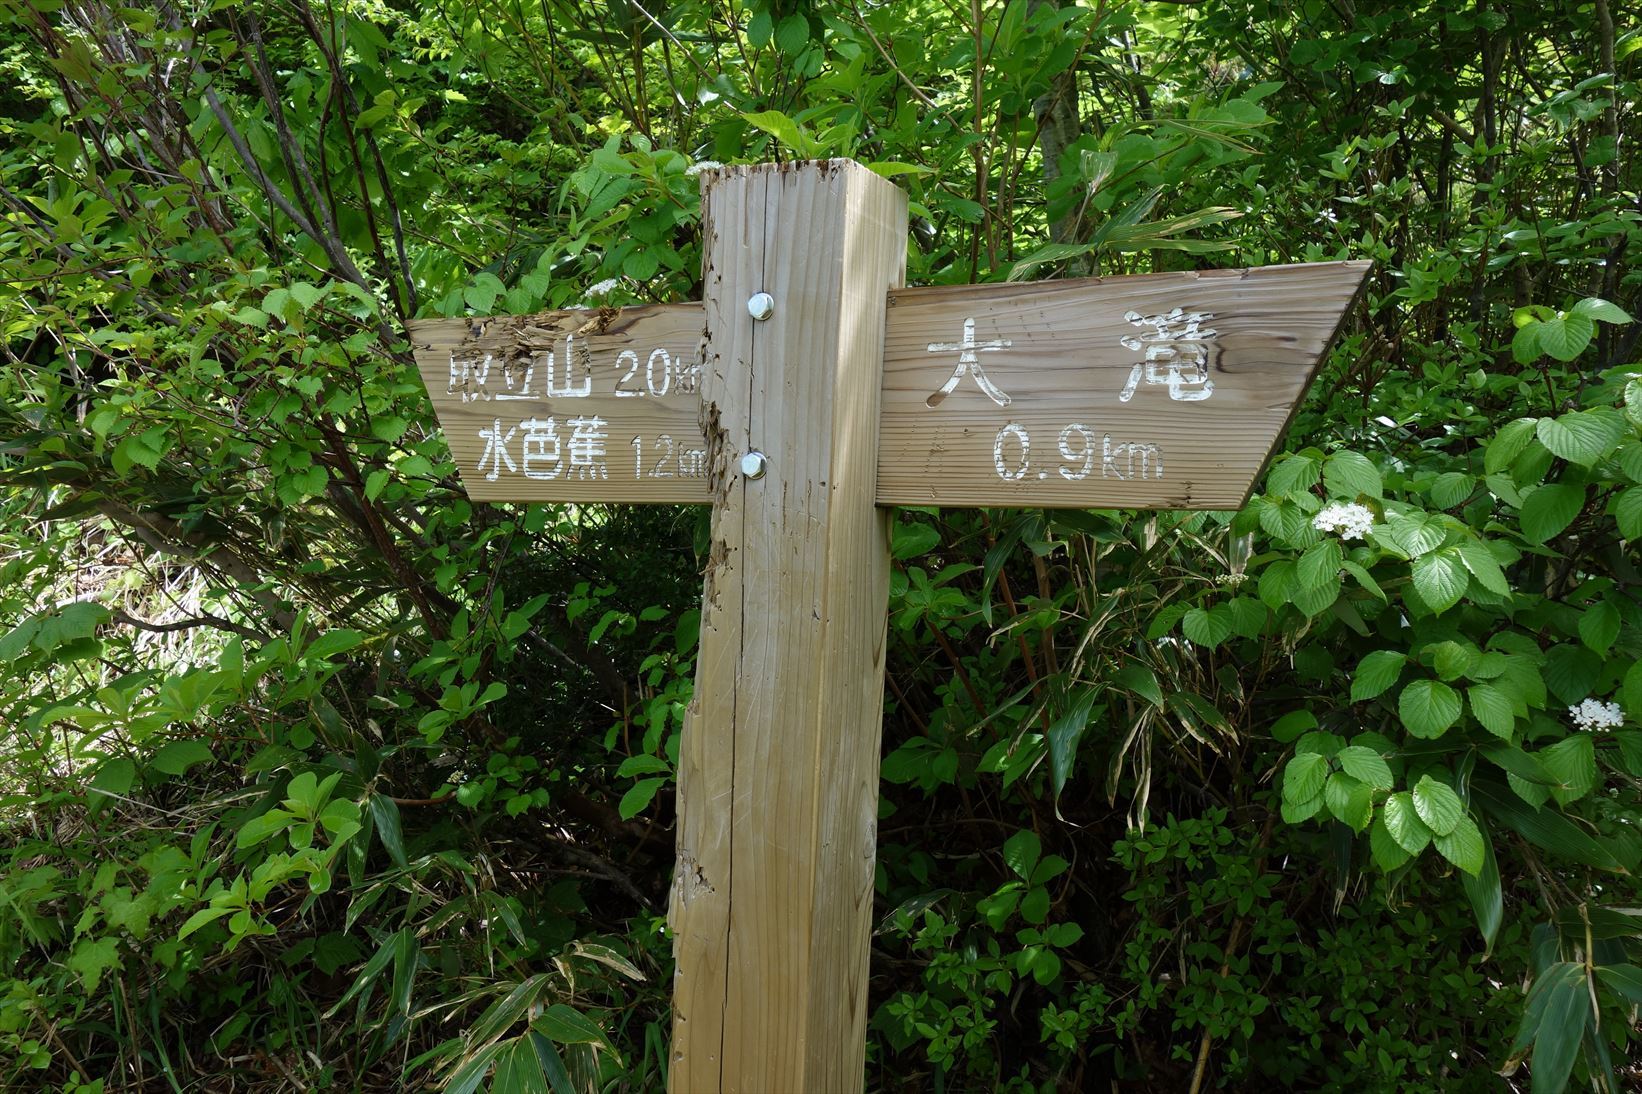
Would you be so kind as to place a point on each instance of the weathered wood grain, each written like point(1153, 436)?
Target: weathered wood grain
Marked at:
point(1232, 353)
point(633, 436)
point(1198, 425)
point(778, 766)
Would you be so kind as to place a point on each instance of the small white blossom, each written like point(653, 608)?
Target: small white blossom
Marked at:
point(1328, 216)
point(1594, 714)
point(603, 288)
point(1351, 521)
point(699, 166)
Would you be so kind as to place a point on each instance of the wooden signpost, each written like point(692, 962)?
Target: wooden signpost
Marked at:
point(805, 394)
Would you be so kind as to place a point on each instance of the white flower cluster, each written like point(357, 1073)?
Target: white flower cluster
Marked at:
point(1594, 714)
point(699, 166)
point(1351, 521)
point(603, 288)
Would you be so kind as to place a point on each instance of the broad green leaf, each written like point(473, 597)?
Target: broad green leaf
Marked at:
point(1022, 851)
point(1508, 444)
point(912, 540)
point(1463, 846)
point(1484, 567)
point(114, 777)
point(1295, 812)
point(1437, 804)
point(1547, 828)
point(1375, 673)
point(639, 797)
point(1550, 509)
point(1572, 763)
point(1441, 578)
point(1451, 660)
point(1304, 777)
point(1599, 626)
point(1581, 437)
point(1562, 1027)
point(1320, 564)
point(1403, 823)
point(1492, 709)
point(385, 814)
point(1623, 980)
point(176, 757)
point(1566, 337)
point(1365, 765)
point(1206, 628)
point(1291, 725)
point(1627, 512)
point(1594, 307)
point(1349, 475)
point(1428, 707)
point(1351, 801)
point(1451, 488)
point(1388, 854)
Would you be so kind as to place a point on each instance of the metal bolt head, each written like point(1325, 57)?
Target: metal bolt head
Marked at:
point(753, 465)
point(761, 305)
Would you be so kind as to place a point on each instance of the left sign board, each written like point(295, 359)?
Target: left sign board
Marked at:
point(596, 405)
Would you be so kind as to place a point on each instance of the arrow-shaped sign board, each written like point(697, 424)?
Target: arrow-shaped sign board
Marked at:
point(1157, 391)
point(806, 392)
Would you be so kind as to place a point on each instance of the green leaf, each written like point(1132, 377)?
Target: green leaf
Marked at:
point(1550, 509)
point(1206, 628)
point(1547, 828)
point(1624, 980)
point(1375, 673)
point(176, 757)
point(1581, 437)
point(1599, 626)
point(1403, 823)
point(912, 540)
point(1388, 853)
point(1508, 444)
point(1138, 679)
point(1482, 888)
point(1451, 659)
point(1428, 707)
point(1304, 777)
point(1437, 804)
point(1441, 578)
point(1351, 801)
point(1350, 475)
point(1484, 567)
point(638, 797)
point(1630, 692)
point(1064, 736)
point(1572, 763)
point(1594, 307)
point(1291, 725)
point(787, 131)
point(385, 814)
point(1562, 1026)
point(1451, 488)
point(1366, 765)
point(1021, 852)
point(1627, 512)
point(1463, 846)
point(1320, 565)
point(1565, 338)
point(568, 1026)
point(114, 776)
point(1492, 709)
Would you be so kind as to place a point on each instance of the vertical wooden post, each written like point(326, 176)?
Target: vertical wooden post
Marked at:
point(778, 767)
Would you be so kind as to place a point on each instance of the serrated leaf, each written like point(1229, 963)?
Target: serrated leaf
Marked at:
point(1492, 709)
point(1508, 444)
point(1206, 628)
point(1484, 567)
point(1580, 436)
point(1437, 804)
point(1320, 565)
point(1451, 488)
point(1350, 800)
point(1441, 578)
point(1366, 766)
point(1572, 763)
point(1428, 707)
point(1304, 777)
point(1451, 660)
point(1350, 475)
point(1404, 823)
point(1550, 509)
point(1388, 854)
point(1627, 511)
point(1599, 626)
point(1375, 673)
point(1566, 337)
point(1463, 846)
point(1297, 812)
point(1594, 307)
point(912, 540)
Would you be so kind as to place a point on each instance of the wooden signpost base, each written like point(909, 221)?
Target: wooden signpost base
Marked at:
point(778, 766)
point(805, 392)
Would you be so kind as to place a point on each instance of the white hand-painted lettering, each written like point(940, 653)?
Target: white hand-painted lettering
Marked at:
point(587, 448)
point(1128, 452)
point(1005, 472)
point(1176, 355)
point(495, 452)
point(968, 362)
point(540, 449)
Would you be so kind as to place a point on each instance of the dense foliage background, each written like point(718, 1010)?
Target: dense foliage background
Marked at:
point(313, 775)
